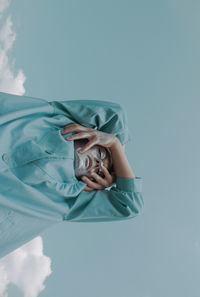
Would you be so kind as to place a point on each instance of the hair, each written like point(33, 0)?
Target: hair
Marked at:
point(111, 169)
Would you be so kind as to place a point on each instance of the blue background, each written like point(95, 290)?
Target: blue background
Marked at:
point(145, 55)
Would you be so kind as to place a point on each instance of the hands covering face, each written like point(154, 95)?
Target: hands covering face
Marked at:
point(101, 183)
point(97, 140)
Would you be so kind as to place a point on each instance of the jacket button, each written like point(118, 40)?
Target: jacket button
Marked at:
point(5, 158)
point(49, 152)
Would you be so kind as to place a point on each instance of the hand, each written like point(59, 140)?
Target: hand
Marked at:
point(94, 136)
point(101, 183)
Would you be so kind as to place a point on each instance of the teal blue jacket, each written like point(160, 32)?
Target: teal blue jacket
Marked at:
point(38, 186)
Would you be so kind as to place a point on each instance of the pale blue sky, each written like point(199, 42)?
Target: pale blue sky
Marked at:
point(144, 54)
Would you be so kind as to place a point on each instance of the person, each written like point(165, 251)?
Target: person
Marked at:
point(46, 179)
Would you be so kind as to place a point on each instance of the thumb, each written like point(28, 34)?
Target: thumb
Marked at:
point(88, 145)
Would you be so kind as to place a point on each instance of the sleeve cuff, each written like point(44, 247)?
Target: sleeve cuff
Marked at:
point(129, 184)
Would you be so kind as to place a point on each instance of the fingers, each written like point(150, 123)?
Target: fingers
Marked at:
point(82, 135)
point(88, 145)
point(78, 136)
point(106, 173)
point(88, 189)
point(92, 184)
point(108, 178)
point(84, 132)
point(102, 181)
point(74, 127)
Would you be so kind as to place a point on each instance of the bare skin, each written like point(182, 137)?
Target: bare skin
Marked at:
point(110, 141)
point(120, 161)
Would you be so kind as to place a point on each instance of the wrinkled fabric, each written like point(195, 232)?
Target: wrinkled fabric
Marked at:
point(38, 186)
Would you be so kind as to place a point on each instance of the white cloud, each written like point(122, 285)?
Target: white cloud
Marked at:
point(26, 267)
point(9, 82)
point(3, 281)
point(4, 4)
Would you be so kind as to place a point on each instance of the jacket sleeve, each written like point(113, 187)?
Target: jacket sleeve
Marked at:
point(102, 115)
point(122, 202)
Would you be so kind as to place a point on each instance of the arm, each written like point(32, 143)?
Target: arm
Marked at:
point(102, 115)
point(120, 161)
point(125, 201)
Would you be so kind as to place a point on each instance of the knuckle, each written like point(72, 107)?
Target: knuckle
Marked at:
point(95, 175)
point(103, 183)
point(81, 133)
point(104, 168)
point(90, 183)
point(95, 137)
point(75, 125)
point(90, 190)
